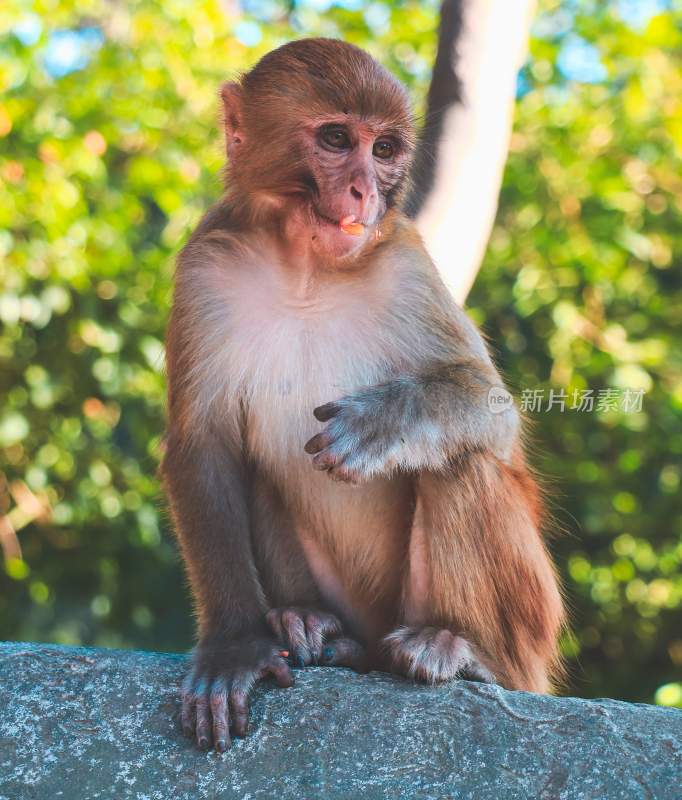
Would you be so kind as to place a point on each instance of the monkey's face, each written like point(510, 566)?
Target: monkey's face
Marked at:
point(319, 135)
point(354, 168)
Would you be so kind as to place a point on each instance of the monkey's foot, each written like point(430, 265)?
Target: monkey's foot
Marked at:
point(434, 655)
point(303, 631)
point(345, 652)
point(215, 694)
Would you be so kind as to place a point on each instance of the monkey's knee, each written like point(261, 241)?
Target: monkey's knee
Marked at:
point(489, 571)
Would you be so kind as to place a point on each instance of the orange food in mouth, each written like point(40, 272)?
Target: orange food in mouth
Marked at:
point(350, 226)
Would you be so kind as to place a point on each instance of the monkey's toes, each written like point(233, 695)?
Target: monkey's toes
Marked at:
point(345, 652)
point(303, 631)
point(434, 655)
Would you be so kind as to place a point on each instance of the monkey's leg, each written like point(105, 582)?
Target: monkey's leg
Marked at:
point(207, 491)
point(482, 599)
point(299, 616)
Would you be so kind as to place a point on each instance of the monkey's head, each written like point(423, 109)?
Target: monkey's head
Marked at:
point(319, 133)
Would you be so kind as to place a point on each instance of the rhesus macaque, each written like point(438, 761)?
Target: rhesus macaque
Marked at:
point(341, 491)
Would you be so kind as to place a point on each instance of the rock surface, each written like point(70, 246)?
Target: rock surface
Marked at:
point(80, 723)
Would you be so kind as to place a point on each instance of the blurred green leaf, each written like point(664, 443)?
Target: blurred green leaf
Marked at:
point(106, 165)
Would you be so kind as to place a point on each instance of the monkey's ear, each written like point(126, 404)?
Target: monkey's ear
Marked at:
point(232, 96)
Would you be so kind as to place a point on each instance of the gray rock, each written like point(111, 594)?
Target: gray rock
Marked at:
point(81, 723)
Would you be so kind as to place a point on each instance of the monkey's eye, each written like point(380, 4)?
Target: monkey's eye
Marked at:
point(383, 149)
point(336, 138)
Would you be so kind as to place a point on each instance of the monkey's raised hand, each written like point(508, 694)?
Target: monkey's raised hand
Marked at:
point(412, 422)
point(215, 694)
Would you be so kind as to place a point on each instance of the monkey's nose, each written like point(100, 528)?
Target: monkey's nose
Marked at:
point(365, 197)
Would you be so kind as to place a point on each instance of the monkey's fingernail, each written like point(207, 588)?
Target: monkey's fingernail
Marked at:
point(300, 662)
point(203, 742)
point(317, 443)
point(325, 412)
point(220, 745)
point(328, 653)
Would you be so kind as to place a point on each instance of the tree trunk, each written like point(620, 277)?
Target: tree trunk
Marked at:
point(463, 148)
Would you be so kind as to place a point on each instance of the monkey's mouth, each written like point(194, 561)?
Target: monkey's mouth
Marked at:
point(324, 218)
point(321, 218)
point(347, 225)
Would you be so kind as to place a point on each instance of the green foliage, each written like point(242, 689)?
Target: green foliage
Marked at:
point(104, 170)
point(581, 289)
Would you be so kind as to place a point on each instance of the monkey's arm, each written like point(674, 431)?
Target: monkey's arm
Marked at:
point(414, 422)
point(204, 476)
point(235, 649)
point(207, 496)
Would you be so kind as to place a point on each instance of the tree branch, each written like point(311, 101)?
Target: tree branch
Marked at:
point(463, 148)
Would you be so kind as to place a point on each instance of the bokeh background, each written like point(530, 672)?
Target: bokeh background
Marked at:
point(109, 152)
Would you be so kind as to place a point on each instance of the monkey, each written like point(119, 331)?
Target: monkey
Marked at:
point(341, 492)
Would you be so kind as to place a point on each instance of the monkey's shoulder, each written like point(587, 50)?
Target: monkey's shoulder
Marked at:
point(401, 247)
point(217, 239)
point(421, 296)
point(399, 234)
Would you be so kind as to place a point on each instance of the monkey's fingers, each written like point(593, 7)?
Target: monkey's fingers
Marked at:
point(326, 411)
point(318, 627)
point(281, 672)
point(317, 443)
point(475, 671)
point(344, 652)
point(294, 633)
point(203, 712)
point(343, 474)
point(303, 631)
point(326, 459)
point(188, 708)
point(289, 628)
point(239, 703)
point(334, 463)
point(221, 717)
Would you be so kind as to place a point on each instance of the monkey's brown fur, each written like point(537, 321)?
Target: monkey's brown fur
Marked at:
point(338, 483)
